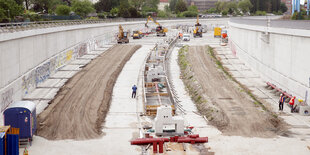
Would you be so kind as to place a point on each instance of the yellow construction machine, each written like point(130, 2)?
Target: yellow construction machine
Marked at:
point(198, 29)
point(137, 35)
point(122, 36)
point(160, 31)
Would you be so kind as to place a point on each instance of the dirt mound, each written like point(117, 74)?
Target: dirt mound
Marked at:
point(80, 107)
point(224, 102)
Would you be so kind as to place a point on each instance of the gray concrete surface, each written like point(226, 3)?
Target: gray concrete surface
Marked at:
point(281, 57)
point(276, 23)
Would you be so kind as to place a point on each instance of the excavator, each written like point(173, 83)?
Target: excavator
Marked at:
point(198, 28)
point(160, 31)
point(122, 36)
point(137, 35)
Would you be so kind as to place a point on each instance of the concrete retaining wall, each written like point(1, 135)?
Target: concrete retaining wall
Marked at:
point(281, 57)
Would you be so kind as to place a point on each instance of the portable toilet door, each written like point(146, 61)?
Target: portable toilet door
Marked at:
point(21, 115)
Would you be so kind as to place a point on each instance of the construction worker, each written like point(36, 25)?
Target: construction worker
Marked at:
point(134, 91)
point(292, 101)
point(281, 101)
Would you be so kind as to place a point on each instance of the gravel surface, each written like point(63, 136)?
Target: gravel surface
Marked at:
point(80, 107)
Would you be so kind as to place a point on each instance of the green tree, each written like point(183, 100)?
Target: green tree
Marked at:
point(162, 14)
point(106, 5)
point(180, 6)
point(189, 14)
point(114, 12)
point(63, 10)
point(82, 7)
point(283, 7)
point(211, 10)
point(245, 6)
point(133, 12)
point(224, 12)
point(172, 4)
point(19, 2)
point(46, 6)
point(137, 4)
point(9, 9)
point(193, 8)
point(232, 7)
point(167, 8)
point(217, 6)
point(150, 5)
point(123, 9)
point(2, 14)
point(265, 5)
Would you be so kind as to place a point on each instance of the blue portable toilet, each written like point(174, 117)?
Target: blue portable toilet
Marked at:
point(22, 115)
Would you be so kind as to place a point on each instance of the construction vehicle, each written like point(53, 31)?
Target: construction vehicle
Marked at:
point(160, 31)
point(224, 37)
point(217, 32)
point(122, 36)
point(198, 29)
point(137, 35)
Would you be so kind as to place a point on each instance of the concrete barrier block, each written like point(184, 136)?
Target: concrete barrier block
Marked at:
point(304, 110)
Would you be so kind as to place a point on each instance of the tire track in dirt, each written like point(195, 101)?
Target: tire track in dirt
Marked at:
point(242, 117)
point(79, 108)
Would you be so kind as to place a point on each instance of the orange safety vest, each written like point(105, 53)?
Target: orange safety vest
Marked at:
point(282, 99)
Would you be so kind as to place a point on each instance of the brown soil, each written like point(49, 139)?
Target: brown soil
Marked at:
point(79, 109)
point(226, 104)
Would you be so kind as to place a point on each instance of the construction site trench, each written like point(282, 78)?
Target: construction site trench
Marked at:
point(226, 105)
point(80, 106)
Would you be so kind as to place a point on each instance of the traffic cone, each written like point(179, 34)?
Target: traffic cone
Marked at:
point(25, 151)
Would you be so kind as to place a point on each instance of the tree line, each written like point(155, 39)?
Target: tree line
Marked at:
point(247, 7)
point(32, 9)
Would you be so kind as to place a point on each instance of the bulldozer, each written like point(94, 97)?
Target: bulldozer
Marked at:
point(122, 36)
point(160, 31)
point(198, 29)
point(137, 35)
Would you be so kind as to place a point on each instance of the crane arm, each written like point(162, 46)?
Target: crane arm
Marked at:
point(197, 19)
point(121, 32)
point(150, 18)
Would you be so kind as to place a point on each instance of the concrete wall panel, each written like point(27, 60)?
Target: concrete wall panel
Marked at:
point(283, 60)
point(39, 48)
point(10, 61)
point(26, 55)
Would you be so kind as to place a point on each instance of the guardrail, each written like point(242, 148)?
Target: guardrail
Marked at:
point(276, 23)
point(22, 26)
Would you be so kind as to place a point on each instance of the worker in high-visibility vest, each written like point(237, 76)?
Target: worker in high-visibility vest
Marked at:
point(281, 102)
point(292, 101)
point(25, 151)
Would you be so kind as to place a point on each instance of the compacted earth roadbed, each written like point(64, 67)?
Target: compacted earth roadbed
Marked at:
point(80, 106)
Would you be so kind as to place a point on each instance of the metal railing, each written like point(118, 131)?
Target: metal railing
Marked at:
point(22, 26)
point(276, 23)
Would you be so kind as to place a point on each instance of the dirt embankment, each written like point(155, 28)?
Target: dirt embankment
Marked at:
point(221, 100)
point(79, 109)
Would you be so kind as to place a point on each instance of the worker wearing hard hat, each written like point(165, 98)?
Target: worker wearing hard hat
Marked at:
point(292, 101)
point(281, 101)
